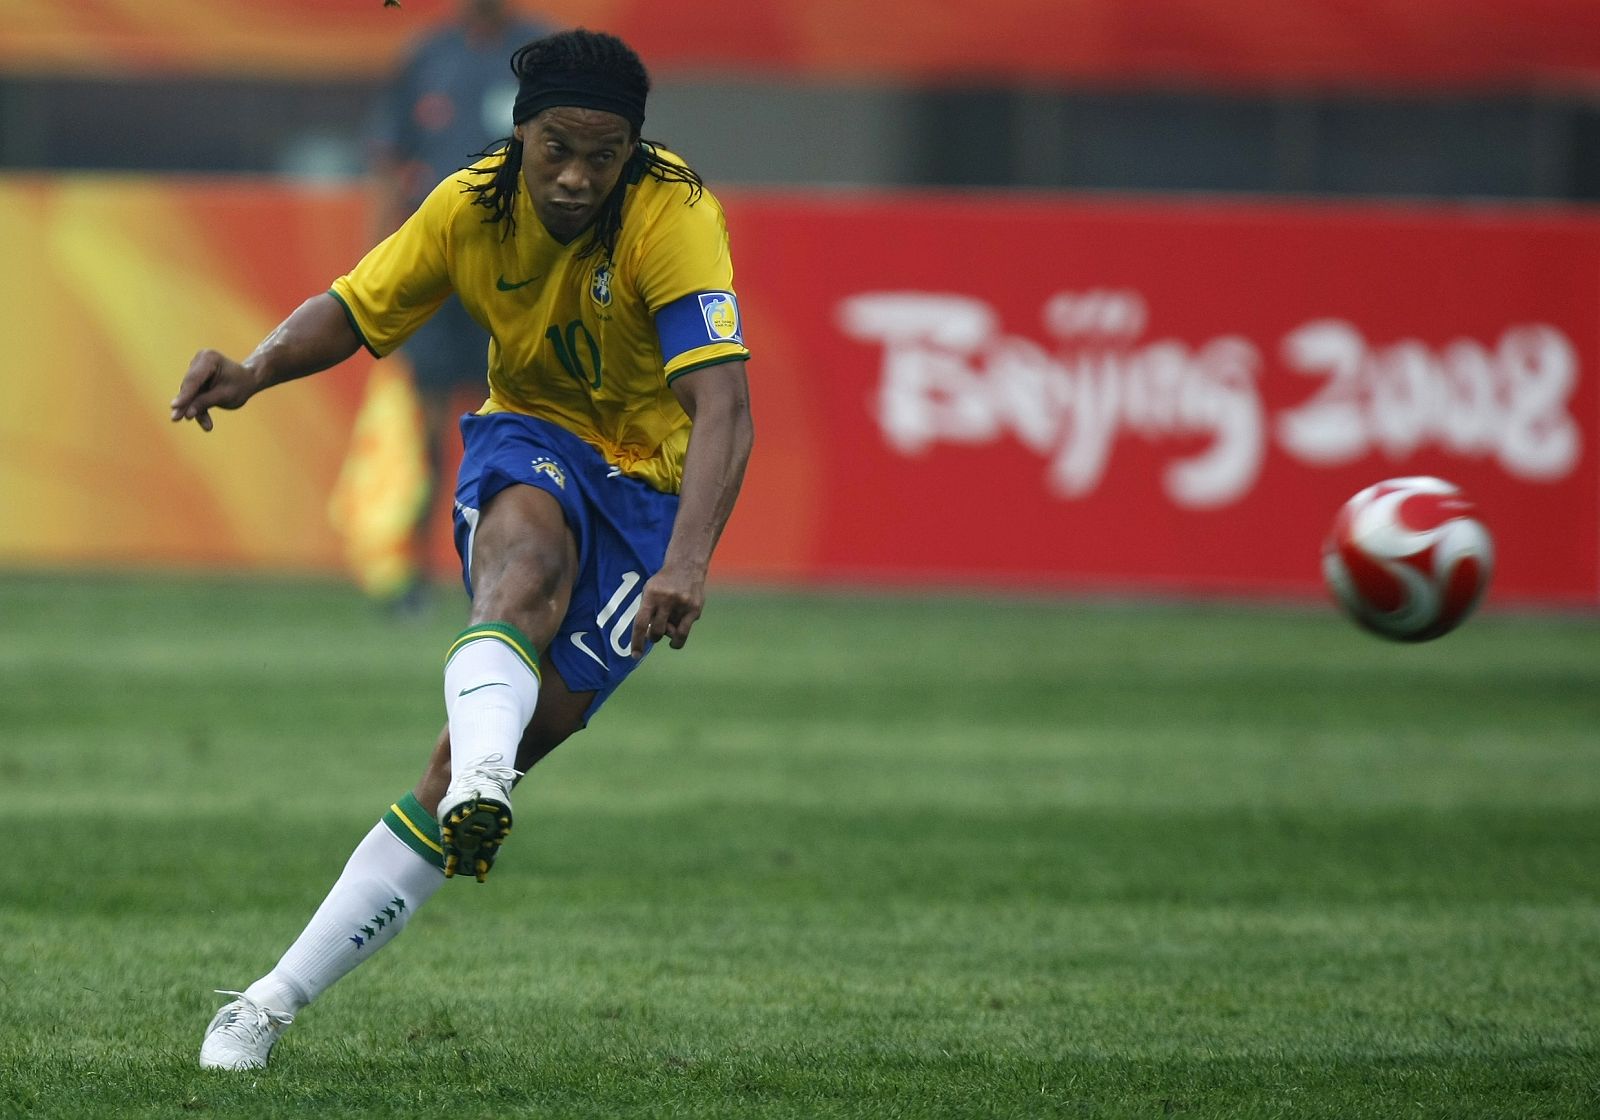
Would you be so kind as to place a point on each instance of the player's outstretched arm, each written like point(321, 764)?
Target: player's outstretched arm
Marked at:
point(317, 335)
point(717, 399)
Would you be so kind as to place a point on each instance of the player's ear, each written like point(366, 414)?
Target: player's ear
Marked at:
point(517, 133)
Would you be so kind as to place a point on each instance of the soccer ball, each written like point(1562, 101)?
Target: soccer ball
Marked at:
point(1407, 558)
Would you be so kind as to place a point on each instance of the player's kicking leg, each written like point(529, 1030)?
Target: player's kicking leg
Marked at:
point(524, 559)
point(491, 682)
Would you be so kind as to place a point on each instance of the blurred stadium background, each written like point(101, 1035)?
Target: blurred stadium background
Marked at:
point(1130, 294)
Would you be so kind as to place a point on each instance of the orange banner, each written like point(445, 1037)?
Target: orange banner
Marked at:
point(1408, 43)
point(126, 279)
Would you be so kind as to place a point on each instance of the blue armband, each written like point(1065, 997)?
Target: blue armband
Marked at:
point(696, 320)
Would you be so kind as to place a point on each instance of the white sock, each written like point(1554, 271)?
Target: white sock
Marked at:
point(384, 882)
point(491, 686)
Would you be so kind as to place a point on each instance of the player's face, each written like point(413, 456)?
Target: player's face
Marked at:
point(571, 160)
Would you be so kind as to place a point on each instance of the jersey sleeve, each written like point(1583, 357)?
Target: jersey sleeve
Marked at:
point(685, 276)
point(405, 277)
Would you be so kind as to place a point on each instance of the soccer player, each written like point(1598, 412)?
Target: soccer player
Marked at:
point(595, 481)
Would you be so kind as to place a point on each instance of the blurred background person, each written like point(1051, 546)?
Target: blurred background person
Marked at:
point(449, 99)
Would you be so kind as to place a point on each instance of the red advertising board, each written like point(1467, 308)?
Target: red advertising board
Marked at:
point(997, 390)
point(984, 390)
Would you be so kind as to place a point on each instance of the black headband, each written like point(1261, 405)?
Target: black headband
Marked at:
point(578, 90)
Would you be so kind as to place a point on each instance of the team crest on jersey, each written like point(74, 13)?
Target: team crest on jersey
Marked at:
point(550, 469)
point(600, 285)
point(721, 311)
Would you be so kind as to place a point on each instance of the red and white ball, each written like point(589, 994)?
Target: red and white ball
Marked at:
point(1408, 558)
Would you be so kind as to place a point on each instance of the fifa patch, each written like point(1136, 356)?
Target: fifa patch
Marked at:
point(721, 313)
point(600, 285)
point(550, 469)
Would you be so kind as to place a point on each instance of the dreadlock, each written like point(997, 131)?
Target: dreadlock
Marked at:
point(591, 52)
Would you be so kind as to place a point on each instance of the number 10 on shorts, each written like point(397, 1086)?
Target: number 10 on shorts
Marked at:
point(622, 633)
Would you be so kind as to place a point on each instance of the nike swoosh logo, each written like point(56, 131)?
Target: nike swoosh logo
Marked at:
point(500, 282)
point(475, 688)
point(577, 640)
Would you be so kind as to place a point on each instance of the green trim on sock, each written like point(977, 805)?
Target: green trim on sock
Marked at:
point(500, 632)
point(416, 828)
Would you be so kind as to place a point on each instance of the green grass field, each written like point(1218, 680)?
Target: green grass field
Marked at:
point(843, 856)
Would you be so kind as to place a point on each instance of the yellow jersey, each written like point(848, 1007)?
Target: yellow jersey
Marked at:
point(587, 343)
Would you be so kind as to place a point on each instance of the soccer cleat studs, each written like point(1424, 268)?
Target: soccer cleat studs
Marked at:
point(472, 833)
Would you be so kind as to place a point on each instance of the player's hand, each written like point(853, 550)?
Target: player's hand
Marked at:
point(669, 605)
point(213, 381)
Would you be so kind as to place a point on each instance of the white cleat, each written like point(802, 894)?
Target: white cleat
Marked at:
point(241, 1034)
point(475, 817)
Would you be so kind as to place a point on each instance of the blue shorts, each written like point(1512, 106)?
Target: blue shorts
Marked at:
point(621, 525)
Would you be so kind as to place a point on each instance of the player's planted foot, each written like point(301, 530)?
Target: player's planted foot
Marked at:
point(241, 1034)
point(475, 818)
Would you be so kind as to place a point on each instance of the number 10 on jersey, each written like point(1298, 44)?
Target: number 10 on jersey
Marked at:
point(571, 355)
